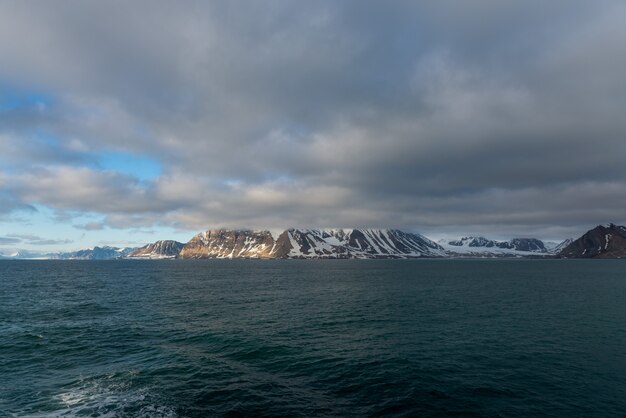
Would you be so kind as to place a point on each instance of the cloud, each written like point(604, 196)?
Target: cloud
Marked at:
point(11, 239)
point(10, 204)
point(91, 226)
point(430, 115)
point(24, 237)
point(52, 242)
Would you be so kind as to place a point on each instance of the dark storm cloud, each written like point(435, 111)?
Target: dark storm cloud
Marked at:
point(432, 115)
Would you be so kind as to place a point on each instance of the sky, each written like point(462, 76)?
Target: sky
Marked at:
point(126, 122)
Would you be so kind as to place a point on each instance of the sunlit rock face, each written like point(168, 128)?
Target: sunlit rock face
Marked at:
point(223, 243)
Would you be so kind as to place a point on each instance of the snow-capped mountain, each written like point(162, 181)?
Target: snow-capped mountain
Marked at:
point(603, 241)
point(358, 243)
point(557, 247)
point(310, 243)
point(484, 247)
point(158, 250)
point(96, 253)
point(26, 255)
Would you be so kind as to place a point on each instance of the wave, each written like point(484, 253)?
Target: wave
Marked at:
point(107, 396)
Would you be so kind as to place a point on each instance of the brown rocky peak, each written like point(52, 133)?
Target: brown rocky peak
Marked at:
point(228, 243)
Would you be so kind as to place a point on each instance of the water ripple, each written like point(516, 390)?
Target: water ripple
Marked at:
point(497, 338)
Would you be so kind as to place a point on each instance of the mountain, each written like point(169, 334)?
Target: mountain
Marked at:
point(359, 243)
point(310, 243)
point(223, 243)
point(25, 255)
point(603, 241)
point(557, 247)
point(96, 253)
point(158, 250)
point(484, 247)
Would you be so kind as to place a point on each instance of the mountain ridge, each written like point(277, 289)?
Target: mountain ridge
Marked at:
point(310, 243)
point(95, 253)
point(603, 241)
point(158, 250)
point(479, 246)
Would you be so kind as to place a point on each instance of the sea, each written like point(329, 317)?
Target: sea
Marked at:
point(254, 338)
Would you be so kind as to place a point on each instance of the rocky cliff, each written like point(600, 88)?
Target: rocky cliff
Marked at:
point(223, 243)
point(158, 250)
point(603, 241)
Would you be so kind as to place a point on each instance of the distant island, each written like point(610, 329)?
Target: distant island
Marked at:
point(603, 241)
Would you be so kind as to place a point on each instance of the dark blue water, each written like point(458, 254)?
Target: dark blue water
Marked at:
point(313, 338)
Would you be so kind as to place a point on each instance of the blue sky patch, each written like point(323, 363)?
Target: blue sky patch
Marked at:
point(13, 98)
point(142, 167)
